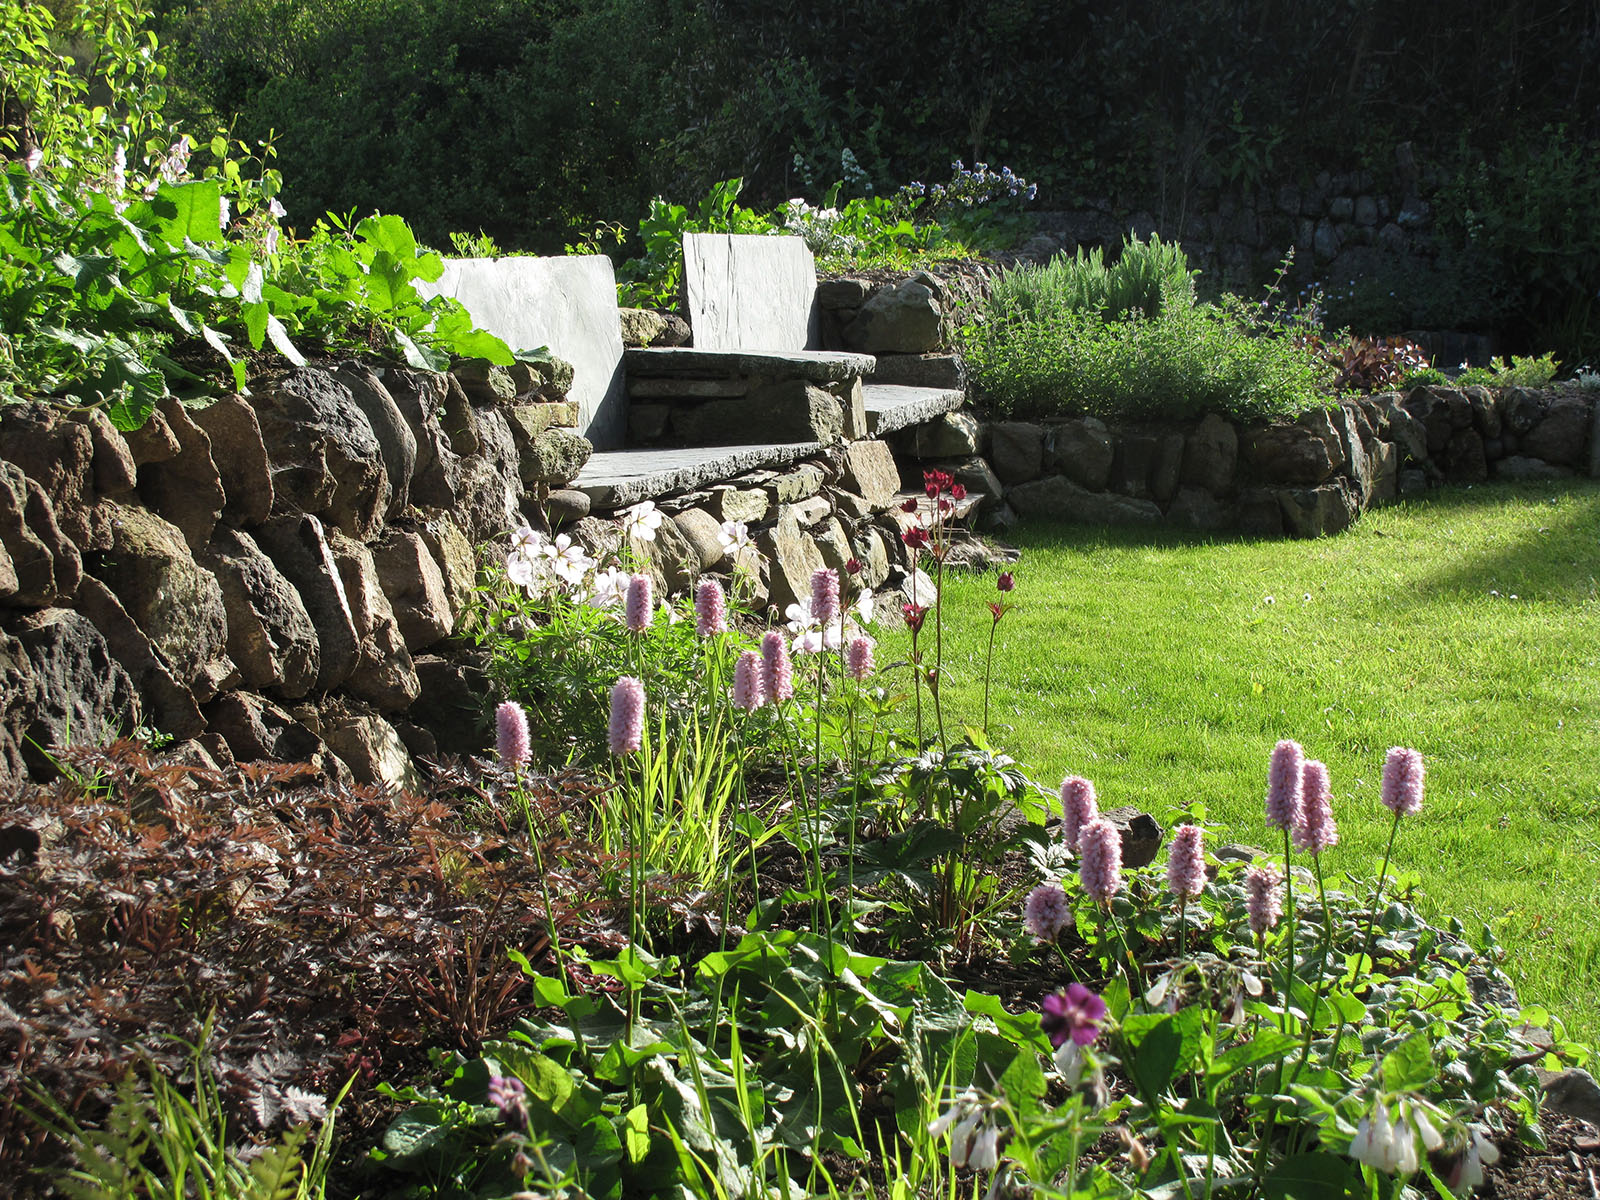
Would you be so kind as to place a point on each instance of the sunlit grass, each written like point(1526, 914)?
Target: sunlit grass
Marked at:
point(1164, 668)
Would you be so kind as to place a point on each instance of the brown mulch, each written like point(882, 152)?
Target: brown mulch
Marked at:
point(1568, 1169)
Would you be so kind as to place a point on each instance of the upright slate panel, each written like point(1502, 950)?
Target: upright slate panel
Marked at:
point(750, 291)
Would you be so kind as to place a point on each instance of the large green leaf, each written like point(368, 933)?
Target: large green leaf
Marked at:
point(1307, 1177)
point(189, 211)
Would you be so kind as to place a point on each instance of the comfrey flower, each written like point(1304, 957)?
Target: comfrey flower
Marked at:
point(511, 735)
point(974, 1138)
point(1100, 859)
point(642, 520)
point(1078, 808)
point(1046, 912)
point(1462, 1167)
point(749, 687)
point(1186, 863)
point(1314, 829)
point(625, 732)
point(1263, 901)
point(710, 608)
point(1403, 774)
point(1284, 781)
point(1385, 1145)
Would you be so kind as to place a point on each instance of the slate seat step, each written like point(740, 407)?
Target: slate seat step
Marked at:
point(894, 406)
point(921, 370)
point(616, 478)
point(813, 366)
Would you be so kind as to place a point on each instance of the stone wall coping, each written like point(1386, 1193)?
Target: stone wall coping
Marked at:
point(617, 478)
point(813, 366)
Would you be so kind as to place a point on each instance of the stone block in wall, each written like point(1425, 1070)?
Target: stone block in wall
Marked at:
point(19, 705)
point(1384, 462)
point(9, 585)
point(185, 489)
point(484, 382)
point(1561, 434)
point(868, 469)
point(455, 419)
point(1211, 455)
point(1301, 454)
point(58, 455)
point(1313, 512)
point(452, 550)
point(255, 729)
point(792, 555)
point(415, 587)
point(1196, 508)
point(1464, 459)
point(298, 547)
point(46, 565)
point(176, 602)
point(1164, 470)
point(152, 442)
point(852, 397)
point(648, 422)
point(563, 506)
point(396, 442)
point(904, 318)
point(1083, 451)
point(421, 396)
point(1260, 514)
point(1442, 412)
point(454, 704)
point(950, 435)
point(702, 531)
point(789, 411)
point(383, 675)
point(1134, 463)
point(270, 634)
point(1519, 468)
point(79, 694)
point(833, 543)
point(729, 502)
point(808, 512)
point(795, 485)
point(240, 456)
point(1485, 406)
point(553, 457)
point(489, 502)
point(1059, 499)
point(1016, 450)
point(872, 550)
point(1357, 468)
point(944, 371)
point(369, 746)
point(834, 294)
point(164, 702)
point(326, 460)
point(115, 473)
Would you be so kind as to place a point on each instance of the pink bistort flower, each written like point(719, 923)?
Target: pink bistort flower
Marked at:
point(1186, 862)
point(511, 735)
point(1314, 829)
point(1100, 859)
point(749, 688)
point(1046, 912)
point(1402, 781)
point(1284, 783)
point(824, 595)
point(779, 670)
point(1264, 903)
point(626, 731)
point(858, 657)
point(1078, 808)
point(641, 603)
point(710, 608)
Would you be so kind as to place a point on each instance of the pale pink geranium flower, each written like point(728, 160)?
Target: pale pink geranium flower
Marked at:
point(1403, 774)
point(1284, 781)
point(625, 733)
point(1186, 862)
point(1078, 808)
point(642, 520)
point(1100, 859)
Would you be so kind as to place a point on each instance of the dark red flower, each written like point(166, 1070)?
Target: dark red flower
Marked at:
point(1006, 581)
point(931, 488)
point(853, 566)
point(915, 615)
point(910, 506)
point(916, 537)
point(958, 491)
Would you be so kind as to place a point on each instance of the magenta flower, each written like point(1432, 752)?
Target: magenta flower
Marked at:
point(1402, 781)
point(779, 674)
point(1186, 862)
point(627, 715)
point(641, 603)
point(1264, 903)
point(1006, 582)
point(511, 735)
point(510, 1096)
point(824, 595)
point(858, 658)
point(1284, 780)
point(1075, 1013)
point(1046, 912)
point(1100, 859)
point(749, 690)
point(710, 608)
point(1078, 808)
point(1315, 830)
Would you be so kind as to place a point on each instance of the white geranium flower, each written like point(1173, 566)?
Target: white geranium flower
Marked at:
point(863, 607)
point(530, 573)
point(527, 539)
point(568, 562)
point(608, 589)
point(642, 520)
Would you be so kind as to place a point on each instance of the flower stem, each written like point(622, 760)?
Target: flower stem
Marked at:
point(988, 668)
point(1372, 914)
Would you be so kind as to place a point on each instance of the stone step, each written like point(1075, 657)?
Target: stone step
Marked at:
point(813, 366)
point(895, 406)
point(616, 478)
point(921, 370)
point(961, 509)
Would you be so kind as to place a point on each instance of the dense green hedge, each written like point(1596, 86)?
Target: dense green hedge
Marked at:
point(537, 119)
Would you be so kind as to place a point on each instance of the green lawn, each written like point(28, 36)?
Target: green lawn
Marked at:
point(1164, 667)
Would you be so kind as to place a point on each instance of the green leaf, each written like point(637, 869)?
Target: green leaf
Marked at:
point(636, 1133)
point(389, 233)
point(1409, 1066)
point(1156, 1057)
point(415, 1132)
point(189, 211)
point(1317, 1176)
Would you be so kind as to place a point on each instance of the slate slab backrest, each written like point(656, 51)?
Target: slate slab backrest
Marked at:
point(750, 292)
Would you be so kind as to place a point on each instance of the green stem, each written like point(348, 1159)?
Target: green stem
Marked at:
point(1372, 914)
point(1316, 987)
point(1289, 923)
point(988, 668)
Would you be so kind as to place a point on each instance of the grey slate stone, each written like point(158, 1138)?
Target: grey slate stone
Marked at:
point(750, 291)
point(701, 362)
point(617, 478)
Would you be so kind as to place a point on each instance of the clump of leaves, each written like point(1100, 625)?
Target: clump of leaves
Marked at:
point(1519, 372)
point(327, 931)
point(1369, 364)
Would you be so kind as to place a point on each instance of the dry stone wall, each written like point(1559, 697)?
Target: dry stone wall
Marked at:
point(275, 576)
point(1303, 478)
